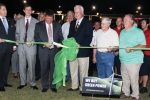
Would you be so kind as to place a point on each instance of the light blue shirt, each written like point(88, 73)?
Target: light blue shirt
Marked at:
point(131, 38)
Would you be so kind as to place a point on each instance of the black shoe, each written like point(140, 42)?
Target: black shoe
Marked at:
point(2, 89)
point(8, 85)
point(143, 90)
point(21, 86)
point(44, 90)
point(72, 89)
point(54, 89)
point(34, 87)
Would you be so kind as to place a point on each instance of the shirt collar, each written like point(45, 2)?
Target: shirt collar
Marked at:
point(2, 17)
point(79, 21)
point(107, 30)
point(28, 18)
point(133, 27)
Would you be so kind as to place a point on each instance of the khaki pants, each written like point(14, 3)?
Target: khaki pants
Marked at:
point(130, 76)
point(83, 64)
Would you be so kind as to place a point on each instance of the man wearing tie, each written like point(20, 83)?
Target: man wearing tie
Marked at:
point(48, 31)
point(27, 52)
point(7, 31)
point(81, 29)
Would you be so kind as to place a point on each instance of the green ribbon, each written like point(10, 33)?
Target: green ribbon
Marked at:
point(61, 58)
point(68, 53)
point(10, 41)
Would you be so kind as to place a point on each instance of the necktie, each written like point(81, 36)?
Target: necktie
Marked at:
point(27, 25)
point(50, 36)
point(5, 25)
point(77, 26)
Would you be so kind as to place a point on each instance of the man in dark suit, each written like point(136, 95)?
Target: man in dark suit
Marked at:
point(7, 31)
point(82, 30)
point(48, 31)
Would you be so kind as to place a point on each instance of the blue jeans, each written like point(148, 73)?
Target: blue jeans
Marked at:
point(68, 72)
point(105, 63)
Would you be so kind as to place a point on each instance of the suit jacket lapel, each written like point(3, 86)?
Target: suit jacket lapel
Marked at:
point(9, 25)
point(81, 25)
point(2, 26)
point(54, 29)
point(45, 31)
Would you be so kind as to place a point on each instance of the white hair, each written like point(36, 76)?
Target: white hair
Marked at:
point(79, 6)
point(108, 20)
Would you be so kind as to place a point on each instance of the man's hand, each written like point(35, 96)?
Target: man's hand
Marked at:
point(17, 42)
point(1, 40)
point(29, 45)
point(47, 45)
point(94, 60)
point(116, 53)
point(109, 49)
point(14, 48)
point(128, 50)
point(78, 45)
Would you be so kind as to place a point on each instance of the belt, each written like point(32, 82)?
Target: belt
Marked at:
point(103, 52)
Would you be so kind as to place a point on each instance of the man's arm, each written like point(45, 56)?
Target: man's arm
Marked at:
point(128, 50)
point(37, 35)
point(17, 35)
point(94, 55)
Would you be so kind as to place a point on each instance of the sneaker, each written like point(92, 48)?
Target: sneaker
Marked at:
point(143, 90)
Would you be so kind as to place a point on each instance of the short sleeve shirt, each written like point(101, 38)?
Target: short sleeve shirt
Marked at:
point(131, 38)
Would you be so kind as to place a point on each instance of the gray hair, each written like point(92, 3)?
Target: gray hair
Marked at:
point(79, 6)
point(71, 12)
point(108, 20)
point(131, 16)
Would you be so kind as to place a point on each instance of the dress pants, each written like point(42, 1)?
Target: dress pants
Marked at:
point(130, 76)
point(47, 68)
point(5, 58)
point(25, 58)
point(83, 65)
point(15, 62)
point(105, 63)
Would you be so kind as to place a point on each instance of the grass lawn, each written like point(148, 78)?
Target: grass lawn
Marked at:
point(28, 93)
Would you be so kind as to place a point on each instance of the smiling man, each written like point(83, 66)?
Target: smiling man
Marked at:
point(131, 60)
point(7, 31)
point(106, 38)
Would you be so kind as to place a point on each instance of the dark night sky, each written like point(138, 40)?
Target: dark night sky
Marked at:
point(102, 6)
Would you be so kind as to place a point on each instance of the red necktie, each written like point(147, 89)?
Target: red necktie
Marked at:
point(27, 25)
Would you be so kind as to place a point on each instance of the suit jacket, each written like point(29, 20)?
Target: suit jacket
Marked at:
point(83, 36)
point(10, 35)
point(41, 36)
point(21, 31)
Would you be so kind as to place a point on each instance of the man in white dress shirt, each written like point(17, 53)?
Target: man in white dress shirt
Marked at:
point(97, 26)
point(108, 40)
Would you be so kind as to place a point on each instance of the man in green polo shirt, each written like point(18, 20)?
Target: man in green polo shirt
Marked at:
point(131, 59)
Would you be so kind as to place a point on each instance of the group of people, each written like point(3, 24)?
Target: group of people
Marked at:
point(120, 47)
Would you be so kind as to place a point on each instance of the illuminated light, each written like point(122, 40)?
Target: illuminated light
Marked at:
point(24, 1)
